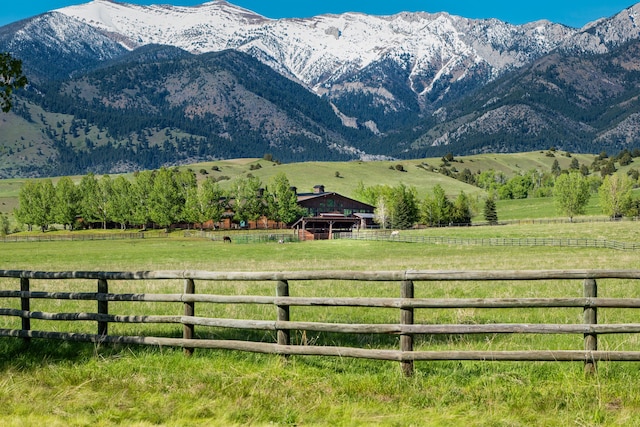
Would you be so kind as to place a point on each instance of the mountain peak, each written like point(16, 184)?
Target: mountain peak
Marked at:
point(403, 76)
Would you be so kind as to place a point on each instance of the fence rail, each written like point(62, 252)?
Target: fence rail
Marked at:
point(492, 241)
point(243, 237)
point(56, 237)
point(282, 325)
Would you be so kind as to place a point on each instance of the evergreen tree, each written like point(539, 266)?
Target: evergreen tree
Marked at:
point(404, 207)
point(11, 78)
point(608, 168)
point(575, 164)
point(490, 212)
point(461, 212)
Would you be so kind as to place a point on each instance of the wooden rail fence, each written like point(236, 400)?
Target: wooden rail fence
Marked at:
point(281, 325)
point(491, 241)
point(71, 236)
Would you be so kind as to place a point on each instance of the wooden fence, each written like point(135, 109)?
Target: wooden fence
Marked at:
point(243, 236)
point(281, 325)
point(491, 241)
point(70, 236)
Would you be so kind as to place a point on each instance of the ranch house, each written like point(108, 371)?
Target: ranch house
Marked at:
point(325, 213)
point(329, 212)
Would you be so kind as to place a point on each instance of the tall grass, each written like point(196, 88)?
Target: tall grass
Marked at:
point(52, 383)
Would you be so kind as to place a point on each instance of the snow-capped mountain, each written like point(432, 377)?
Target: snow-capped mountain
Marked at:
point(58, 45)
point(330, 53)
point(166, 84)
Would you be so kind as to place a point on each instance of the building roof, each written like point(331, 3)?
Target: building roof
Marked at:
point(303, 197)
point(308, 196)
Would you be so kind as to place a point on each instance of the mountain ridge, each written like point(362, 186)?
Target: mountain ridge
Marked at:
point(399, 84)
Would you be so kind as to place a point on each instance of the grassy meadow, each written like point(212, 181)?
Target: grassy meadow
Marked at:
point(60, 384)
point(344, 177)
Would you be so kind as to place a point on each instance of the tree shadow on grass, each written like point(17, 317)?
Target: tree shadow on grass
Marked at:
point(19, 354)
point(15, 353)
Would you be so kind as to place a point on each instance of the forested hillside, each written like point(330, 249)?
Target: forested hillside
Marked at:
point(143, 113)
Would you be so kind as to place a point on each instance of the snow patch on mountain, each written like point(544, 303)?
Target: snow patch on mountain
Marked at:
point(326, 49)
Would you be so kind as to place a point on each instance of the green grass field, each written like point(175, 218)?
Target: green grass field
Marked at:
point(58, 384)
point(306, 175)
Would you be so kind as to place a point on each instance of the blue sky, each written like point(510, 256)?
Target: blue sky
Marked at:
point(574, 13)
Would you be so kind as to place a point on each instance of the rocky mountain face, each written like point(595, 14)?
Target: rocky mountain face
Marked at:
point(392, 65)
point(226, 81)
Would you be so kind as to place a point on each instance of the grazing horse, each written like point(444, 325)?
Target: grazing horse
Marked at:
point(226, 239)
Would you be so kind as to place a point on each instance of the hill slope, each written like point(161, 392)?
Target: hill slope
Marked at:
point(119, 87)
point(160, 106)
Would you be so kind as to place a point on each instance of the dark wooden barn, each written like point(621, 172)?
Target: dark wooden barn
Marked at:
point(329, 212)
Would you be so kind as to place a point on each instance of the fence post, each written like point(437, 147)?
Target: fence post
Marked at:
point(103, 307)
point(25, 305)
point(590, 318)
point(189, 311)
point(406, 318)
point(282, 290)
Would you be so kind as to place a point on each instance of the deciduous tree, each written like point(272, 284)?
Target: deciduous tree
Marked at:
point(90, 198)
point(247, 203)
point(282, 200)
point(142, 188)
point(571, 193)
point(381, 213)
point(67, 204)
point(27, 204)
point(121, 206)
point(615, 195)
point(165, 199)
point(436, 208)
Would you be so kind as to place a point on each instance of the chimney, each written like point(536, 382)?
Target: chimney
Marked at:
point(318, 189)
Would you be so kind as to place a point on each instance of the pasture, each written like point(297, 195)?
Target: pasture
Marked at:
point(54, 383)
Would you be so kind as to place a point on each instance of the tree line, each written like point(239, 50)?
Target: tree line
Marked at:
point(170, 196)
point(398, 207)
point(162, 197)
